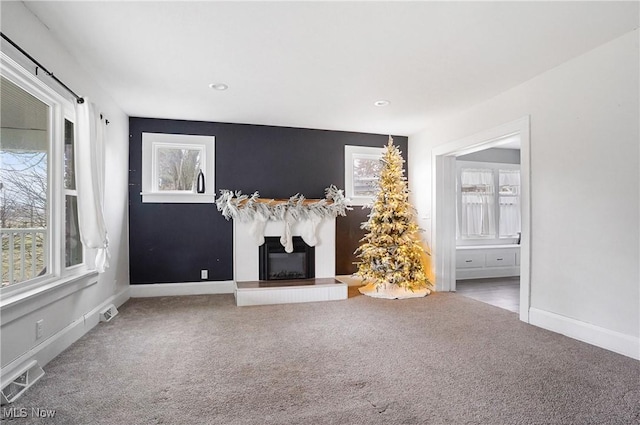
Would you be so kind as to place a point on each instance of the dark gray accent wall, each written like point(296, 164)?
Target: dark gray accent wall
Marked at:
point(173, 242)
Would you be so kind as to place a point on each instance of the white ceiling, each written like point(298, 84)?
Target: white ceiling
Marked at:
point(323, 64)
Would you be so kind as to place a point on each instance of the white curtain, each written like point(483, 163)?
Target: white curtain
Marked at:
point(509, 203)
point(90, 139)
point(477, 207)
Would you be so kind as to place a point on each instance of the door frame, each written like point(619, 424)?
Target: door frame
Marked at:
point(443, 199)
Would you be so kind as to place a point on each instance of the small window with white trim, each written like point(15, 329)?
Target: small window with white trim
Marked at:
point(178, 168)
point(362, 171)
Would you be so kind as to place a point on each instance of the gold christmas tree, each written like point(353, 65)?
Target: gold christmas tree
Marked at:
point(391, 256)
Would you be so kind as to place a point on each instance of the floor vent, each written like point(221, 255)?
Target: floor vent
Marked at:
point(20, 381)
point(108, 314)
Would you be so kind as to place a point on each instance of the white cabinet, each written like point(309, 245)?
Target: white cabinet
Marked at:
point(500, 258)
point(467, 260)
point(473, 262)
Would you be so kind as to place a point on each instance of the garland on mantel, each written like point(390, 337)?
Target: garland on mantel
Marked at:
point(249, 208)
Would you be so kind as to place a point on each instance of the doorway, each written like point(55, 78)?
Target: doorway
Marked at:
point(444, 203)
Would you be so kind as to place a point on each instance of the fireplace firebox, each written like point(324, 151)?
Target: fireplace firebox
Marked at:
point(277, 264)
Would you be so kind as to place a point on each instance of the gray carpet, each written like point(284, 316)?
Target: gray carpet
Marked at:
point(443, 359)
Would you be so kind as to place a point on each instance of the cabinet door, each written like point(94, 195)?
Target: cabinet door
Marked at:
point(501, 258)
point(467, 260)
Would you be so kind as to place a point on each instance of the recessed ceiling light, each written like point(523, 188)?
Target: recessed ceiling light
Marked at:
point(381, 103)
point(218, 86)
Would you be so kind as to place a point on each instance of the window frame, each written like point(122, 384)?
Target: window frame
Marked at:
point(60, 108)
point(151, 142)
point(351, 153)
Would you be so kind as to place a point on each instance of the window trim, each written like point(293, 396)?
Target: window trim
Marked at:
point(34, 297)
point(150, 144)
point(350, 154)
point(61, 108)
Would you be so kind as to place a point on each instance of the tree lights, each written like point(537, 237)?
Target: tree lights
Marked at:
point(391, 256)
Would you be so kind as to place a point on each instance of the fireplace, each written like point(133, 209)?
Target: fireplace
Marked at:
point(276, 264)
point(247, 254)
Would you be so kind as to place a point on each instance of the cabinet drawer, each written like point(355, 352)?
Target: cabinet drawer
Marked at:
point(466, 260)
point(501, 259)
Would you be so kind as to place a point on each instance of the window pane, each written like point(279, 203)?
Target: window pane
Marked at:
point(509, 198)
point(73, 245)
point(24, 156)
point(482, 189)
point(476, 211)
point(177, 169)
point(366, 172)
point(69, 156)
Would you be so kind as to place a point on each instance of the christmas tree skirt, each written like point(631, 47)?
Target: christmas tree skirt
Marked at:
point(391, 292)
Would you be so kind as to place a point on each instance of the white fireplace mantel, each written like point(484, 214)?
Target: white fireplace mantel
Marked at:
point(246, 252)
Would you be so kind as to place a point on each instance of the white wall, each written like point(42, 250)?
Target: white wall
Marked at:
point(70, 316)
point(585, 186)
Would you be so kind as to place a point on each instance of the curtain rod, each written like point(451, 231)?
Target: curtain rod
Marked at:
point(79, 99)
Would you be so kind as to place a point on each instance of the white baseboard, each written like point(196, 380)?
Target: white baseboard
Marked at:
point(617, 342)
point(54, 345)
point(186, 288)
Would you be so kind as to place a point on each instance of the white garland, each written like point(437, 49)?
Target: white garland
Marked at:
point(250, 208)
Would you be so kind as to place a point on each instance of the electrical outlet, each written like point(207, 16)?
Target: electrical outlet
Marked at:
point(39, 324)
point(204, 274)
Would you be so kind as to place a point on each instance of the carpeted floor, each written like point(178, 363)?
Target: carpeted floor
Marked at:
point(443, 359)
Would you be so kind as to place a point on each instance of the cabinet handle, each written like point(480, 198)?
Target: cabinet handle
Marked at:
point(498, 259)
point(468, 261)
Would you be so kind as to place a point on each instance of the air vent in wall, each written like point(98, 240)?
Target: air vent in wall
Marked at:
point(108, 314)
point(20, 381)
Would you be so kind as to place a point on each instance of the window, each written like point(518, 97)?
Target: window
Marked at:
point(482, 186)
point(509, 200)
point(362, 171)
point(172, 164)
point(37, 182)
point(477, 207)
point(24, 209)
point(73, 245)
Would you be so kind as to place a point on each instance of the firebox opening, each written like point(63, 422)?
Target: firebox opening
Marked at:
point(277, 264)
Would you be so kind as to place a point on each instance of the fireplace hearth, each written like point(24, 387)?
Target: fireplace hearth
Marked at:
point(276, 264)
